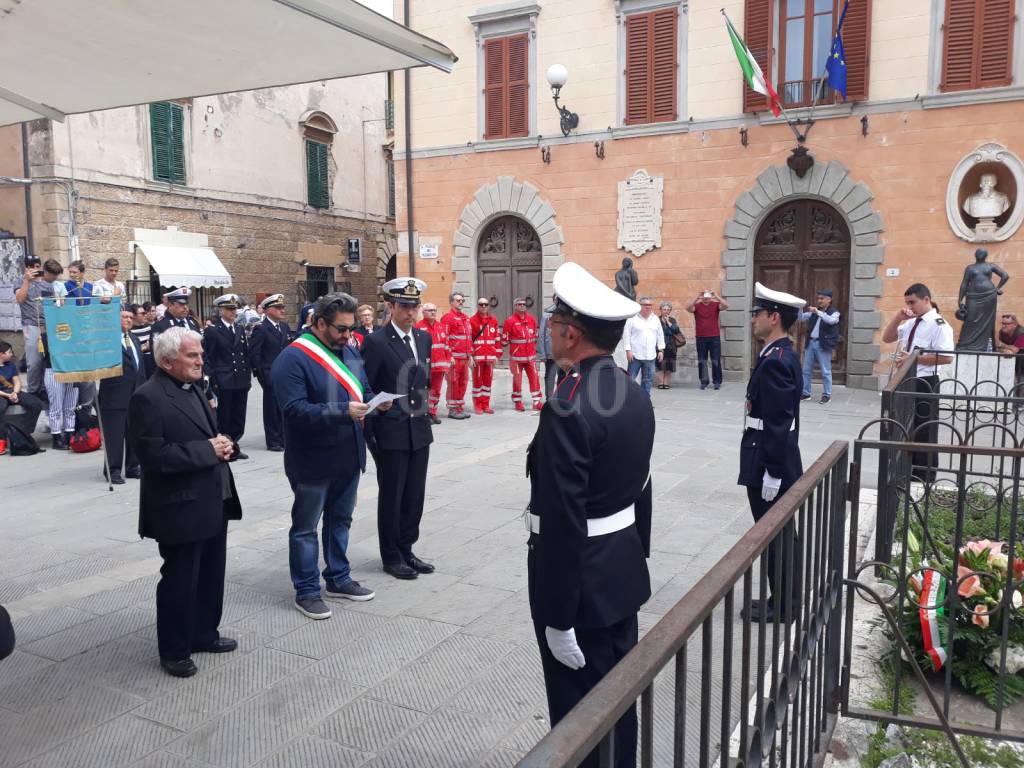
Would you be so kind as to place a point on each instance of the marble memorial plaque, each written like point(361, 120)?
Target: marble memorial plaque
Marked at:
point(640, 201)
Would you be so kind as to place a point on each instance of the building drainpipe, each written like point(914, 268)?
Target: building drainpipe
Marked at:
point(408, 156)
point(27, 172)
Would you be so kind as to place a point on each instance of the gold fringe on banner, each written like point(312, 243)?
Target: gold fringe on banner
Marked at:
point(75, 377)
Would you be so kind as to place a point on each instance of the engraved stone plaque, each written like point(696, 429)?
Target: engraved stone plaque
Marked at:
point(640, 201)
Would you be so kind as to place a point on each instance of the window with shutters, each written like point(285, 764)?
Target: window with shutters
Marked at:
point(167, 133)
point(977, 44)
point(507, 87)
point(318, 131)
point(804, 30)
point(652, 66)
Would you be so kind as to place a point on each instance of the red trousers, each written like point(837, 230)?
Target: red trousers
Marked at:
point(458, 379)
point(483, 377)
point(517, 369)
point(437, 377)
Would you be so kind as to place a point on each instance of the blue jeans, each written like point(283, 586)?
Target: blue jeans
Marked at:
point(335, 500)
point(646, 368)
point(709, 347)
point(815, 352)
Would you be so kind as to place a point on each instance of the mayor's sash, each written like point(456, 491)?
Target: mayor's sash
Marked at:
point(317, 351)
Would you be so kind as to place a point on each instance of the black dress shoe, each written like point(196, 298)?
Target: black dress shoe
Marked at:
point(182, 668)
point(115, 478)
point(135, 473)
point(239, 454)
point(220, 645)
point(418, 565)
point(275, 448)
point(400, 571)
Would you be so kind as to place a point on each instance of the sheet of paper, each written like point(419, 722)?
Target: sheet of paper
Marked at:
point(380, 398)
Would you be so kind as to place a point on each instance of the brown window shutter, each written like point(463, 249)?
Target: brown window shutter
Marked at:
point(638, 69)
point(663, 87)
point(757, 33)
point(495, 54)
point(995, 67)
point(857, 44)
point(518, 85)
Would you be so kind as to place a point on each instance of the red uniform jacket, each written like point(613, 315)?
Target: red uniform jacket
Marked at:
point(486, 337)
point(520, 335)
point(460, 339)
point(440, 354)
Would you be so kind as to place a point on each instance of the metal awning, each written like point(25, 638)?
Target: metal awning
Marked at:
point(60, 57)
point(180, 265)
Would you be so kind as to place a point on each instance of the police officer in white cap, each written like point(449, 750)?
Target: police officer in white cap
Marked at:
point(177, 314)
point(268, 338)
point(590, 502)
point(770, 449)
point(226, 354)
point(397, 360)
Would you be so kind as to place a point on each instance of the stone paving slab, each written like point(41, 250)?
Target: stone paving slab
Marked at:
point(442, 671)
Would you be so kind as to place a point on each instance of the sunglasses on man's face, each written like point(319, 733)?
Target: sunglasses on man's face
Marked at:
point(483, 304)
point(346, 328)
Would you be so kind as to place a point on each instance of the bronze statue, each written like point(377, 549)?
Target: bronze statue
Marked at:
point(626, 279)
point(977, 300)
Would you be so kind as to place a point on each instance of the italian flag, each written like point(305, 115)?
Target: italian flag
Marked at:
point(752, 71)
point(331, 363)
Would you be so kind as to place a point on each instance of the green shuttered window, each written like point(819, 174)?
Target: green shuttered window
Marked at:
point(317, 183)
point(167, 128)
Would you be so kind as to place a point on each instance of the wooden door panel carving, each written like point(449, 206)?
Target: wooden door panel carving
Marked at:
point(509, 259)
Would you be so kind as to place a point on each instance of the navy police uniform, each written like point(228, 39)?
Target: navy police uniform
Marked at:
point(400, 438)
point(177, 296)
point(226, 355)
point(590, 512)
point(267, 341)
point(771, 435)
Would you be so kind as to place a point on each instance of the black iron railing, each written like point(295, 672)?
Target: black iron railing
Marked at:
point(714, 685)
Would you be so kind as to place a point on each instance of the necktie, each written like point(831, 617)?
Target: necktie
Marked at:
point(910, 338)
point(408, 342)
point(127, 344)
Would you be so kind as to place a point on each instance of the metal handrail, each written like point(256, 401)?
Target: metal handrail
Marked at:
point(582, 729)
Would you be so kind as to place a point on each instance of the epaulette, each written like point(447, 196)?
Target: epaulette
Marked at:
point(939, 321)
point(572, 391)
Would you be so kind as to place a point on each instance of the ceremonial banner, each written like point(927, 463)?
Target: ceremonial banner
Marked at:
point(84, 342)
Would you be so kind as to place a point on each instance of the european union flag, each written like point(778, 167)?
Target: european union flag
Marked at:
point(835, 68)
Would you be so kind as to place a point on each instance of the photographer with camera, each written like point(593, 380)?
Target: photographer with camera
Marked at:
point(39, 282)
point(705, 308)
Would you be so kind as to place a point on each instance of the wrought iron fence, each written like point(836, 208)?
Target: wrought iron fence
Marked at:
point(714, 684)
point(951, 610)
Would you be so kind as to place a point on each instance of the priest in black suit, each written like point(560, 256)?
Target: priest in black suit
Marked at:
point(268, 338)
point(114, 394)
point(187, 497)
point(397, 360)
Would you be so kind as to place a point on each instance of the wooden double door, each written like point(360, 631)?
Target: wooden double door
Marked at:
point(804, 247)
point(509, 265)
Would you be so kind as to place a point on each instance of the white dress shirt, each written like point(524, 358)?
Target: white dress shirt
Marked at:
point(412, 339)
point(104, 287)
point(643, 337)
point(933, 334)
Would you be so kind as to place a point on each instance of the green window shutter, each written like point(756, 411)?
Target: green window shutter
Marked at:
point(319, 193)
point(160, 129)
point(167, 128)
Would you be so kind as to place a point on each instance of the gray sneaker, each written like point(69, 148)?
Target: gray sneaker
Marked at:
point(351, 590)
point(313, 607)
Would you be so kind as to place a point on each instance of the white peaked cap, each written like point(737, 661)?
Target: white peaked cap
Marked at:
point(769, 299)
point(577, 288)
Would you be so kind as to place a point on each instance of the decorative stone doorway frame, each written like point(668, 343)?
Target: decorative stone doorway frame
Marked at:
point(831, 183)
point(505, 197)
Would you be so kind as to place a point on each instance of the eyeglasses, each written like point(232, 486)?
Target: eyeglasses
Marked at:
point(562, 322)
point(430, 310)
point(460, 301)
point(483, 304)
point(346, 328)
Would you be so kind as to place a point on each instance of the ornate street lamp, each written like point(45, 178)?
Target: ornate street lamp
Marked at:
point(557, 76)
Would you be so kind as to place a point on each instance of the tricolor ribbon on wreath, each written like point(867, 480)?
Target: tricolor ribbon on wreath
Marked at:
point(932, 608)
point(331, 363)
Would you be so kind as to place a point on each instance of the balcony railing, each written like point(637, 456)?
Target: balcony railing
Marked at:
point(801, 93)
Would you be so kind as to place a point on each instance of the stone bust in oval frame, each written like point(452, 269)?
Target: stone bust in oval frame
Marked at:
point(986, 208)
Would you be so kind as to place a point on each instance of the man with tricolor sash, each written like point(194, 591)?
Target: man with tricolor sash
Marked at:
point(322, 390)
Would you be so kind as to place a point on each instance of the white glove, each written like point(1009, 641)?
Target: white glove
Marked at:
point(770, 486)
point(564, 647)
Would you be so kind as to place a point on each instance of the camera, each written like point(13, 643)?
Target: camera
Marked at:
point(37, 273)
point(707, 294)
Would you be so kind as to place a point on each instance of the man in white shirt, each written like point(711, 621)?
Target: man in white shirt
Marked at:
point(644, 343)
point(110, 285)
point(823, 325)
point(918, 326)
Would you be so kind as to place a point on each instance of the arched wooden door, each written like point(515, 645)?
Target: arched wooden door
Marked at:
point(509, 265)
point(803, 247)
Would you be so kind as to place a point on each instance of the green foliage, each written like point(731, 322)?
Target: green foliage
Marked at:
point(977, 678)
point(933, 748)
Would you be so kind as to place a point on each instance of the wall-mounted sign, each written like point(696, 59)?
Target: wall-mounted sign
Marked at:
point(428, 250)
point(355, 253)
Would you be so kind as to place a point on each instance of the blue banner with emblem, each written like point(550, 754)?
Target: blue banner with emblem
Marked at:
point(83, 342)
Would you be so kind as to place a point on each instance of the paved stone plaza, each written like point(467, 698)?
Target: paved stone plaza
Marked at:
point(442, 671)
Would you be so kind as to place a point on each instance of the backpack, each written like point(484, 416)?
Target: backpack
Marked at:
point(20, 442)
point(86, 440)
